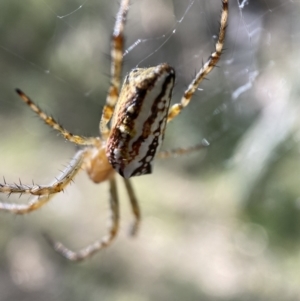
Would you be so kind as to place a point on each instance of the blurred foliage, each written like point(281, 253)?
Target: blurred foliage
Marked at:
point(275, 201)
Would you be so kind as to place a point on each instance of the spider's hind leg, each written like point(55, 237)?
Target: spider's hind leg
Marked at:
point(42, 193)
point(176, 152)
point(98, 244)
point(134, 206)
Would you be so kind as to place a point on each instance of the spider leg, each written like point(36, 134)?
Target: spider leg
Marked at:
point(206, 68)
point(43, 193)
point(117, 46)
point(134, 206)
point(80, 140)
point(99, 244)
point(181, 151)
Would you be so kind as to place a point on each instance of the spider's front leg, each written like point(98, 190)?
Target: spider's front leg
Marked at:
point(50, 121)
point(206, 68)
point(117, 47)
point(42, 193)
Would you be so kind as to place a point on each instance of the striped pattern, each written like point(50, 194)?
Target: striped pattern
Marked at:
point(139, 120)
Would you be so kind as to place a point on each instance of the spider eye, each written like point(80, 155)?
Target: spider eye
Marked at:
point(139, 120)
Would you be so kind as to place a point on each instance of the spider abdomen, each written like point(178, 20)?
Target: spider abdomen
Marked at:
point(139, 120)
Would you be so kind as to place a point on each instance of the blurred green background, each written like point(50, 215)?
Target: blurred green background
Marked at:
point(219, 224)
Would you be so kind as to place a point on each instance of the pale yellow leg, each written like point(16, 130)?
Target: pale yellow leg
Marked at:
point(207, 67)
point(134, 206)
point(117, 46)
point(80, 140)
point(181, 151)
point(99, 244)
point(43, 193)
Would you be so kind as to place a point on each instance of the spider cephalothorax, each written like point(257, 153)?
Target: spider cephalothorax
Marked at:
point(138, 115)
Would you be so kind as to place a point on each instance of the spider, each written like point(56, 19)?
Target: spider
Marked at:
point(132, 129)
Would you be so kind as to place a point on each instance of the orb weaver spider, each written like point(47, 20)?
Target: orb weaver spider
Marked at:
point(138, 115)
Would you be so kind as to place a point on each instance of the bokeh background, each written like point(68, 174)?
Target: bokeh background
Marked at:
point(219, 224)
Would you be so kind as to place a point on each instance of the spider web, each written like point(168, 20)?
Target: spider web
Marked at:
point(239, 197)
